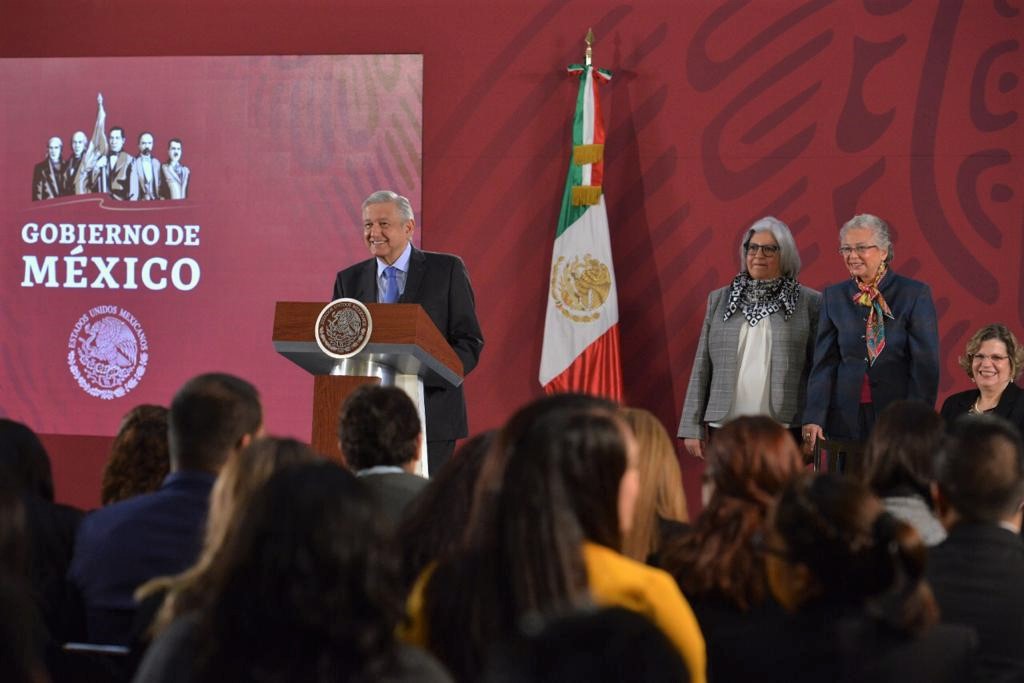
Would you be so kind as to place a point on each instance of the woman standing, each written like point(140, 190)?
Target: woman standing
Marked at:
point(878, 340)
point(743, 367)
point(993, 360)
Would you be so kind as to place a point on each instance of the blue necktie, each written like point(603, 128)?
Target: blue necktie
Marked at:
point(391, 285)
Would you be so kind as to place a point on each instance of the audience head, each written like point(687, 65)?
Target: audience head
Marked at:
point(14, 541)
point(833, 543)
point(980, 470)
point(562, 471)
point(434, 524)
point(749, 461)
point(996, 332)
point(379, 426)
point(304, 583)
point(244, 473)
point(24, 461)
point(900, 450)
point(661, 494)
point(611, 644)
point(211, 416)
point(138, 459)
point(563, 457)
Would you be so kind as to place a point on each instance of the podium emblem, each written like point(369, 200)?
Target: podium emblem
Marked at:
point(343, 328)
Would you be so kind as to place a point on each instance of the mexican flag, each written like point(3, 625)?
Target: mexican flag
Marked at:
point(581, 330)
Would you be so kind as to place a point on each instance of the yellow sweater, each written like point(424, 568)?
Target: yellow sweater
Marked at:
point(615, 581)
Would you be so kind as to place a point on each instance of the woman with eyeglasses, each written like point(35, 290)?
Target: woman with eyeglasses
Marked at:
point(993, 360)
point(757, 340)
point(878, 340)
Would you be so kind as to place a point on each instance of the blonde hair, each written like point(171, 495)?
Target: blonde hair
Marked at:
point(243, 474)
point(661, 486)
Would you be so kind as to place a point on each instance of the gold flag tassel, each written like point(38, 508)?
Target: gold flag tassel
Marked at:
point(586, 195)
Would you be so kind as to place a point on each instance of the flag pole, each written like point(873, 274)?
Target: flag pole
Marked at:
point(589, 52)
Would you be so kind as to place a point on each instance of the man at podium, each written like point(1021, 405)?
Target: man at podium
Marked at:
point(400, 273)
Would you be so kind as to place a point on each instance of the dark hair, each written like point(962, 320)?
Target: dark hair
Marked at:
point(980, 470)
point(550, 482)
point(120, 128)
point(900, 449)
point(138, 460)
point(434, 524)
point(245, 472)
point(24, 461)
point(208, 418)
point(611, 644)
point(859, 555)
point(749, 461)
point(178, 140)
point(378, 426)
point(14, 540)
point(304, 587)
point(146, 132)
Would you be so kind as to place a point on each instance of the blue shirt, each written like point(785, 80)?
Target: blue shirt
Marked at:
point(401, 265)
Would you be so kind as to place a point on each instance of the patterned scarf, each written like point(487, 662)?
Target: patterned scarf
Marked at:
point(758, 299)
point(870, 296)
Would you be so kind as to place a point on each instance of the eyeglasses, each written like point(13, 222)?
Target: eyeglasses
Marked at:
point(861, 249)
point(995, 357)
point(766, 249)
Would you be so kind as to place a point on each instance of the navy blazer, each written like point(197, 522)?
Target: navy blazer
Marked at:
point(121, 546)
point(440, 284)
point(908, 367)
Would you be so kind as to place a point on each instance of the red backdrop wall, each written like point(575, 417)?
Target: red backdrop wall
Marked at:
point(719, 113)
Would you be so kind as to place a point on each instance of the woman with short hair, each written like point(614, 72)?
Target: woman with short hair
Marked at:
point(993, 360)
point(756, 342)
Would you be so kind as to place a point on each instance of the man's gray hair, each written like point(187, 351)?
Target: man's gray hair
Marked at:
point(384, 196)
point(789, 257)
point(876, 225)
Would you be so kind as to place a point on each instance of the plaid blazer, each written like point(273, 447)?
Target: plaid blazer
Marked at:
point(908, 367)
point(712, 384)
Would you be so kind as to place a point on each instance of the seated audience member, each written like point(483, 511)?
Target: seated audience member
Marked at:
point(554, 498)
point(23, 636)
point(749, 461)
point(51, 527)
point(661, 502)
point(302, 590)
point(604, 645)
point(138, 461)
point(434, 524)
point(977, 573)
point(380, 436)
point(853, 577)
point(121, 546)
point(244, 473)
point(897, 464)
point(993, 361)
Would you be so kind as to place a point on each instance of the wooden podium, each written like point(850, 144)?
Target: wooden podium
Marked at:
point(405, 350)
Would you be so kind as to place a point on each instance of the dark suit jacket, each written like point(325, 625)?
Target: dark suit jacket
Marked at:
point(393, 492)
point(123, 545)
point(976, 574)
point(46, 185)
point(908, 367)
point(1011, 405)
point(440, 284)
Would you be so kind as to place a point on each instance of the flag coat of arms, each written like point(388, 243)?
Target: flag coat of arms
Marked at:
point(581, 328)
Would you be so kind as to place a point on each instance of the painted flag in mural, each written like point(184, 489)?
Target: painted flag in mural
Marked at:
point(581, 329)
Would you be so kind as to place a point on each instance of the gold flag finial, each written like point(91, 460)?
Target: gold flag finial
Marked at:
point(590, 43)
